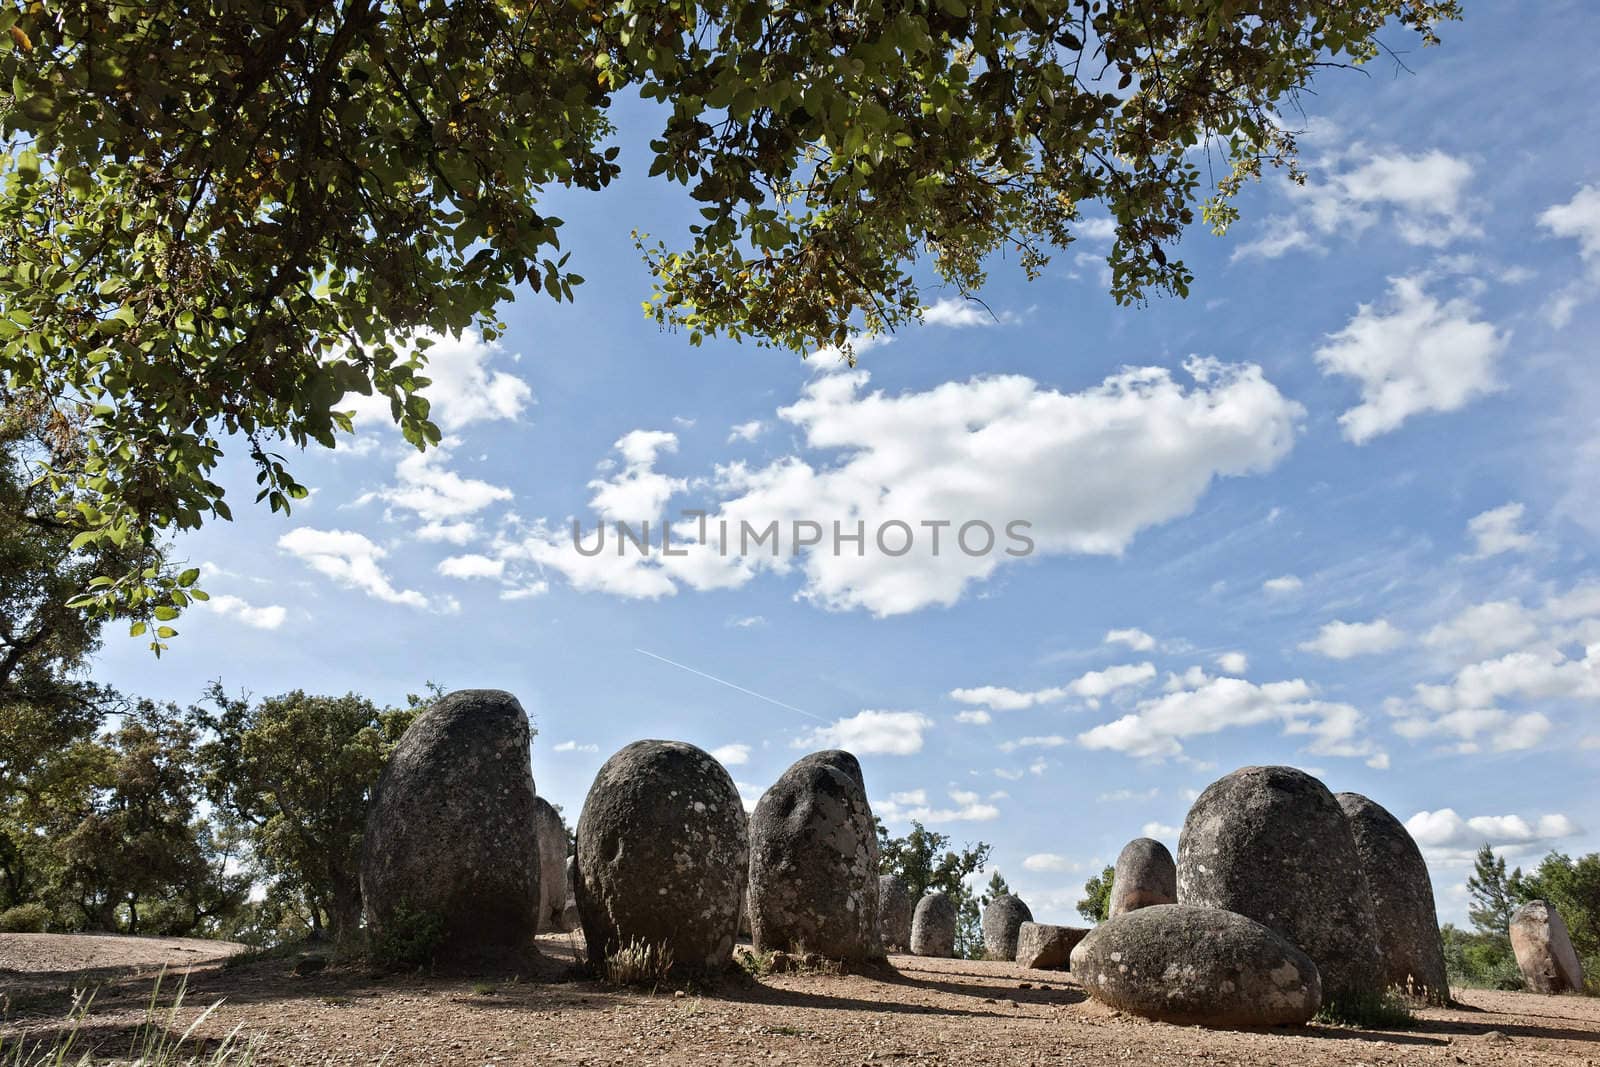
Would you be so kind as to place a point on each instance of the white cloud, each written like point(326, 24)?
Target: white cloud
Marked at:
point(1047, 861)
point(987, 450)
point(1049, 741)
point(1578, 218)
point(573, 746)
point(350, 559)
point(1346, 640)
point(1001, 698)
point(454, 533)
point(267, 617)
point(1134, 638)
point(1533, 674)
point(1091, 686)
point(1496, 531)
point(435, 493)
point(914, 804)
point(1417, 355)
point(872, 733)
point(1160, 831)
point(977, 717)
point(1009, 775)
point(746, 622)
point(1447, 838)
point(732, 755)
point(1485, 629)
point(1422, 197)
point(472, 566)
point(638, 492)
point(462, 388)
point(1505, 732)
point(960, 314)
point(1233, 662)
point(746, 431)
point(1158, 726)
point(1283, 585)
point(1123, 796)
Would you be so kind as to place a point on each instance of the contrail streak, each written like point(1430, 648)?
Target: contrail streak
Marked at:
point(730, 685)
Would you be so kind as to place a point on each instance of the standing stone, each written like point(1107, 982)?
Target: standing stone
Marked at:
point(1402, 899)
point(933, 927)
point(1145, 875)
point(1001, 920)
point(1272, 844)
point(814, 862)
point(569, 914)
point(1044, 947)
point(1198, 967)
point(895, 906)
point(662, 850)
point(451, 853)
point(552, 864)
point(1544, 950)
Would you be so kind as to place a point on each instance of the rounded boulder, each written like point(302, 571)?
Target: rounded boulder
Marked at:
point(814, 862)
point(1197, 966)
point(552, 864)
point(1272, 844)
point(895, 906)
point(1402, 899)
point(1001, 920)
point(661, 856)
point(1145, 875)
point(933, 927)
point(450, 858)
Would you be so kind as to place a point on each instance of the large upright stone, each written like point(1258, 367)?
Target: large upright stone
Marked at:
point(552, 864)
point(814, 862)
point(1544, 950)
point(933, 927)
point(1001, 920)
point(1402, 899)
point(1197, 966)
point(895, 906)
point(1145, 875)
point(661, 858)
point(1272, 844)
point(451, 851)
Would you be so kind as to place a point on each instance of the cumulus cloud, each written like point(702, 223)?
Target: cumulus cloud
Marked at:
point(1158, 726)
point(350, 559)
point(1577, 219)
point(976, 717)
point(1047, 861)
point(960, 314)
point(913, 804)
point(425, 485)
point(1134, 638)
point(1485, 629)
point(472, 566)
point(1233, 662)
point(265, 617)
point(732, 755)
point(1160, 831)
point(1415, 355)
point(1422, 197)
point(872, 733)
point(1447, 838)
point(1282, 585)
point(1046, 741)
point(573, 746)
point(746, 431)
point(1346, 640)
point(1496, 531)
point(453, 533)
point(463, 388)
point(988, 450)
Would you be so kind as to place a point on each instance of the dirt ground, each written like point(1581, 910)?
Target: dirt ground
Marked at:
point(915, 1011)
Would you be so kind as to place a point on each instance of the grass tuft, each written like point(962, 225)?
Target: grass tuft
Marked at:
point(1389, 1010)
point(638, 963)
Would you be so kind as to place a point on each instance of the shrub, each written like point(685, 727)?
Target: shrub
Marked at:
point(1388, 1010)
point(25, 919)
point(637, 963)
point(409, 939)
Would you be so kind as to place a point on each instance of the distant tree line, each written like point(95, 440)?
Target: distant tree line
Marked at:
point(1482, 956)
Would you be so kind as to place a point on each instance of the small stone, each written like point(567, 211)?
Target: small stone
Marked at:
point(1045, 947)
point(1496, 1037)
point(678, 994)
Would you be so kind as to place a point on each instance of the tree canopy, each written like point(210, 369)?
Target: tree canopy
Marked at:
point(220, 219)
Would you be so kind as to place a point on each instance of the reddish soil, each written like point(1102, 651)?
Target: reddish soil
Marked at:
point(913, 1011)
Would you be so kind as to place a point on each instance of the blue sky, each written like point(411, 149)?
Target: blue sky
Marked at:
point(1338, 509)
